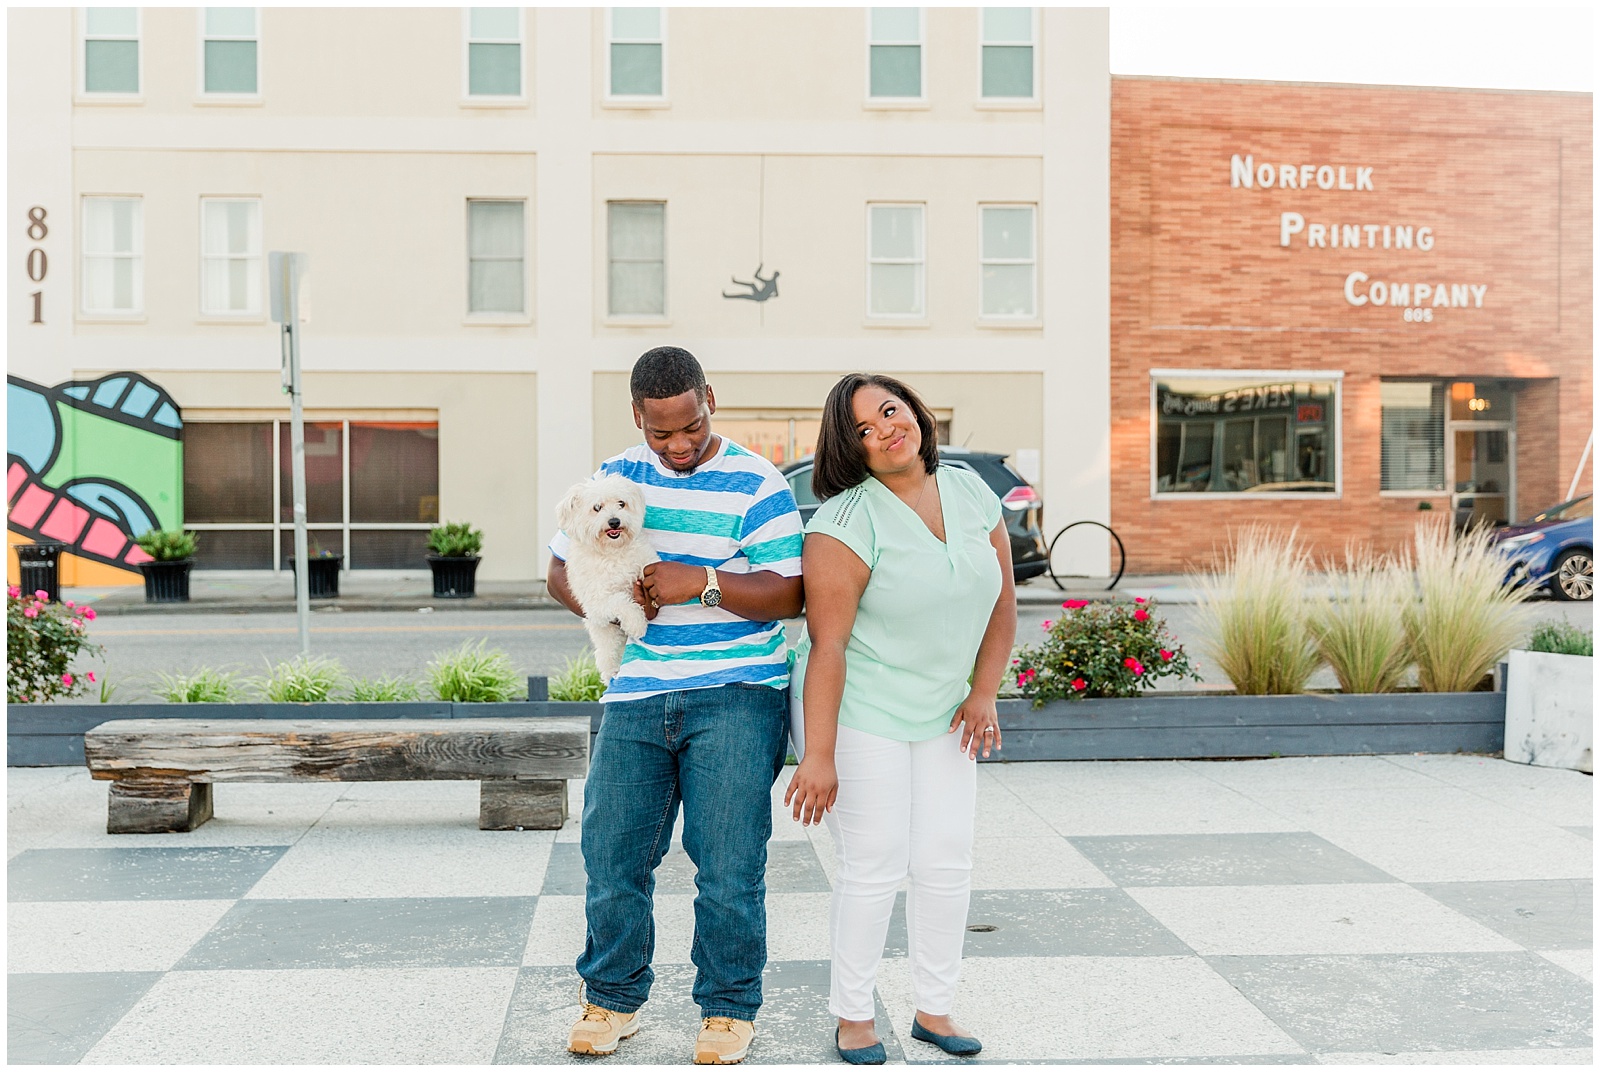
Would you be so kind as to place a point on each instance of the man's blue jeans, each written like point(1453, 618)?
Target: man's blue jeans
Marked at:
point(717, 751)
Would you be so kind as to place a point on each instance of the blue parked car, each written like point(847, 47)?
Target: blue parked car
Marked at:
point(1554, 549)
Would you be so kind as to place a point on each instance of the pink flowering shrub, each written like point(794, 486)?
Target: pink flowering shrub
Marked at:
point(42, 640)
point(1099, 649)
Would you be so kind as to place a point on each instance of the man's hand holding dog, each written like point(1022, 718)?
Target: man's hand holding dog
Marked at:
point(669, 583)
point(650, 609)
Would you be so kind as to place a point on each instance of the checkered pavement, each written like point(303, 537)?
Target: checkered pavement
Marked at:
point(1318, 910)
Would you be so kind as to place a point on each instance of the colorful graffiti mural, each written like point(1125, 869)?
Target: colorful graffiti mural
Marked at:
point(92, 464)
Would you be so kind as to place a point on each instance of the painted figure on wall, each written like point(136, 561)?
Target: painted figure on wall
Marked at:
point(92, 464)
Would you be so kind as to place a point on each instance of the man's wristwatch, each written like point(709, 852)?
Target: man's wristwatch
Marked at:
point(712, 596)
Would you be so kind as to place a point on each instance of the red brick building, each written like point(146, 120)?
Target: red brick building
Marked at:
point(1331, 305)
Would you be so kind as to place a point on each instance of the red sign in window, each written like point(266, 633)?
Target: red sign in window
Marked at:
point(1309, 413)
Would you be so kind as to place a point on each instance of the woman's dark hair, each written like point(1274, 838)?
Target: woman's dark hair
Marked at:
point(841, 461)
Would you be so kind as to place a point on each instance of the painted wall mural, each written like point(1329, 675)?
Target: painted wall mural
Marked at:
point(92, 464)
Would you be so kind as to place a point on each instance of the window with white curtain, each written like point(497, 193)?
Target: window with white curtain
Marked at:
point(230, 260)
point(895, 260)
point(1008, 52)
point(495, 257)
point(1412, 415)
point(636, 52)
point(1006, 250)
point(111, 50)
point(494, 52)
point(113, 255)
point(894, 52)
point(636, 258)
point(230, 46)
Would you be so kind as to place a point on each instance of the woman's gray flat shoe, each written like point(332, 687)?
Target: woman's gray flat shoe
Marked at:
point(954, 1045)
point(863, 1055)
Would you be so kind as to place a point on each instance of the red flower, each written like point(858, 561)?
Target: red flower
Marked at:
point(1138, 599)
point(1075, 604)
point(1166, 656)
point(1133, 664)
point(42, 596)
point(88, 612)
point(66, 679)
point(1078, 684)
point(1141, 615)
point(1045, 624)
point(91, 677)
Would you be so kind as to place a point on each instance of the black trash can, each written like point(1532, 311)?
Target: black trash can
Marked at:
point(166, 582)
point(323, 578)
point(454, 576)
point(40, 568)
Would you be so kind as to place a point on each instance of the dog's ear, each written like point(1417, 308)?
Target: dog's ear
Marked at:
point(567, 508)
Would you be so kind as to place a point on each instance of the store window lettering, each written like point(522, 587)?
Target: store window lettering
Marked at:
point(1249, 437)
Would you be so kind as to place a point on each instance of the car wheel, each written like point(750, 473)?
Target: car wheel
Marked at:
point(1574, 576)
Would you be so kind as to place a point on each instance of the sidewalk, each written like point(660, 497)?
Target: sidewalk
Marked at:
point(1398, 909)
point(245, 591)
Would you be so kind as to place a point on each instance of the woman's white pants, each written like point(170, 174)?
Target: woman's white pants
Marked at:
point(904, 810)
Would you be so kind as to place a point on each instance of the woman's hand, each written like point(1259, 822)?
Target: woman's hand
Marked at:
point(979, 724)
point(813, 789)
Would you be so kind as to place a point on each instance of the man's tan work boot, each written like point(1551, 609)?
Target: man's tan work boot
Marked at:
point(723, 1041)
point(599, 1030)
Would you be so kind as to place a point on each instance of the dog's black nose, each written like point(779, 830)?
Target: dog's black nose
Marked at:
point(613, 523)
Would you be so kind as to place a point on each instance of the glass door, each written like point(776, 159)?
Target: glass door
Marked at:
point(1483, 476)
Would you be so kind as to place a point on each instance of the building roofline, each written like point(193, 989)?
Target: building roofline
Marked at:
point(1349, 85)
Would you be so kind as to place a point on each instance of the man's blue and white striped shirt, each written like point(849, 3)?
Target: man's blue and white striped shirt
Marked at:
point(735, 513)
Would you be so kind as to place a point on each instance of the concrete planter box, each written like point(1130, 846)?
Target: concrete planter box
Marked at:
point(1162, 726)
point(1550, 710)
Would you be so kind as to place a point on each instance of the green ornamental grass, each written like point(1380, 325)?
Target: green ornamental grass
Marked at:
point(205, 685)
point(579, 679)
point(303, 679)
point(1467, 615)
point(383, 689)
point(1360, 630)
point(1561, 638)
point(473, 673)
point(1253, 608)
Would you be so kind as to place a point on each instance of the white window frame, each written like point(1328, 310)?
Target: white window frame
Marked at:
point(86, 95)
point(258, 242)
point(921, 99)
point(665, 315)
point(499, 316)
point(136, 255)
point(1332, 376)
point(1009, 102)
point(211, 96)
point(495, 100)
point(921, 315)
point(1033, 262)
point(635, 100)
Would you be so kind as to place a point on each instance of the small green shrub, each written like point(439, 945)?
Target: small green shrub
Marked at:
point(42, 639)
point(170, 545)
point(383, 689)
point(1561, 638)
point(1253, 609)
point(1099, 649)
point(473, 673)
point(1467, 615)
point(455, 539)
point(303, 679)
point(205, 685)
point(579, 679)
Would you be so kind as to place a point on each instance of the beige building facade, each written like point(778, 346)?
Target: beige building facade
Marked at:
point(503, 207)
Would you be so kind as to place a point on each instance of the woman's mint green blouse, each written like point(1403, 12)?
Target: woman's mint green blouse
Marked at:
point(925, 609)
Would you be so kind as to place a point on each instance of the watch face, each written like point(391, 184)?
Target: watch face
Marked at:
point(711, 597)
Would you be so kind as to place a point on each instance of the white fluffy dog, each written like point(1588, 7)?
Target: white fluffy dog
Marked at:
point(602, 518)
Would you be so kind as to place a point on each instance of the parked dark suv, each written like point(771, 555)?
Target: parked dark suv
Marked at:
point(1022, 506)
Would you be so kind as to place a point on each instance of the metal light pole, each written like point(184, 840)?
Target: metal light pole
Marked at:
point(286, 271)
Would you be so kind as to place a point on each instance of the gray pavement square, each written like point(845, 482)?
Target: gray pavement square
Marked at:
point(1225, 860)
point(1052, 923)
point(1392, 1003)
point(1581, 831)
point(55, 1018)
point(137, 874)
point(793, 1026)
point(395, 932)
point(1534, 913)
point(792, 867)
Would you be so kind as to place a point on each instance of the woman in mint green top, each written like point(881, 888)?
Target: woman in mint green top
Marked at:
point(910, 617)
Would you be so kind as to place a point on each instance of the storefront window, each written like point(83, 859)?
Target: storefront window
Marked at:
point(372, 491)
point(1413, 436)
point(1245, 434)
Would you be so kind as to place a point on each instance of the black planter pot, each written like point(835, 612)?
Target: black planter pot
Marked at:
point(38, 568)
point(166, 582)
point(323, 575)
point(454, 577)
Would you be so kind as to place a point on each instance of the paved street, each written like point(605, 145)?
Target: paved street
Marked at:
point(538, 637)
point(1373, 909)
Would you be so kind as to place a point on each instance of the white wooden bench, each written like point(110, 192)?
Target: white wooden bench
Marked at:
point(162, 769)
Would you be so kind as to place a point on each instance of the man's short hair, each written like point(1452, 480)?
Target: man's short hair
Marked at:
point(667, 372)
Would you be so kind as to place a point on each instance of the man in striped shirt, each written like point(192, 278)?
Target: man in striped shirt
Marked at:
point(697, 716)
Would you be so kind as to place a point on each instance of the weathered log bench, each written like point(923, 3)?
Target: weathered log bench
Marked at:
point(162, 770)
